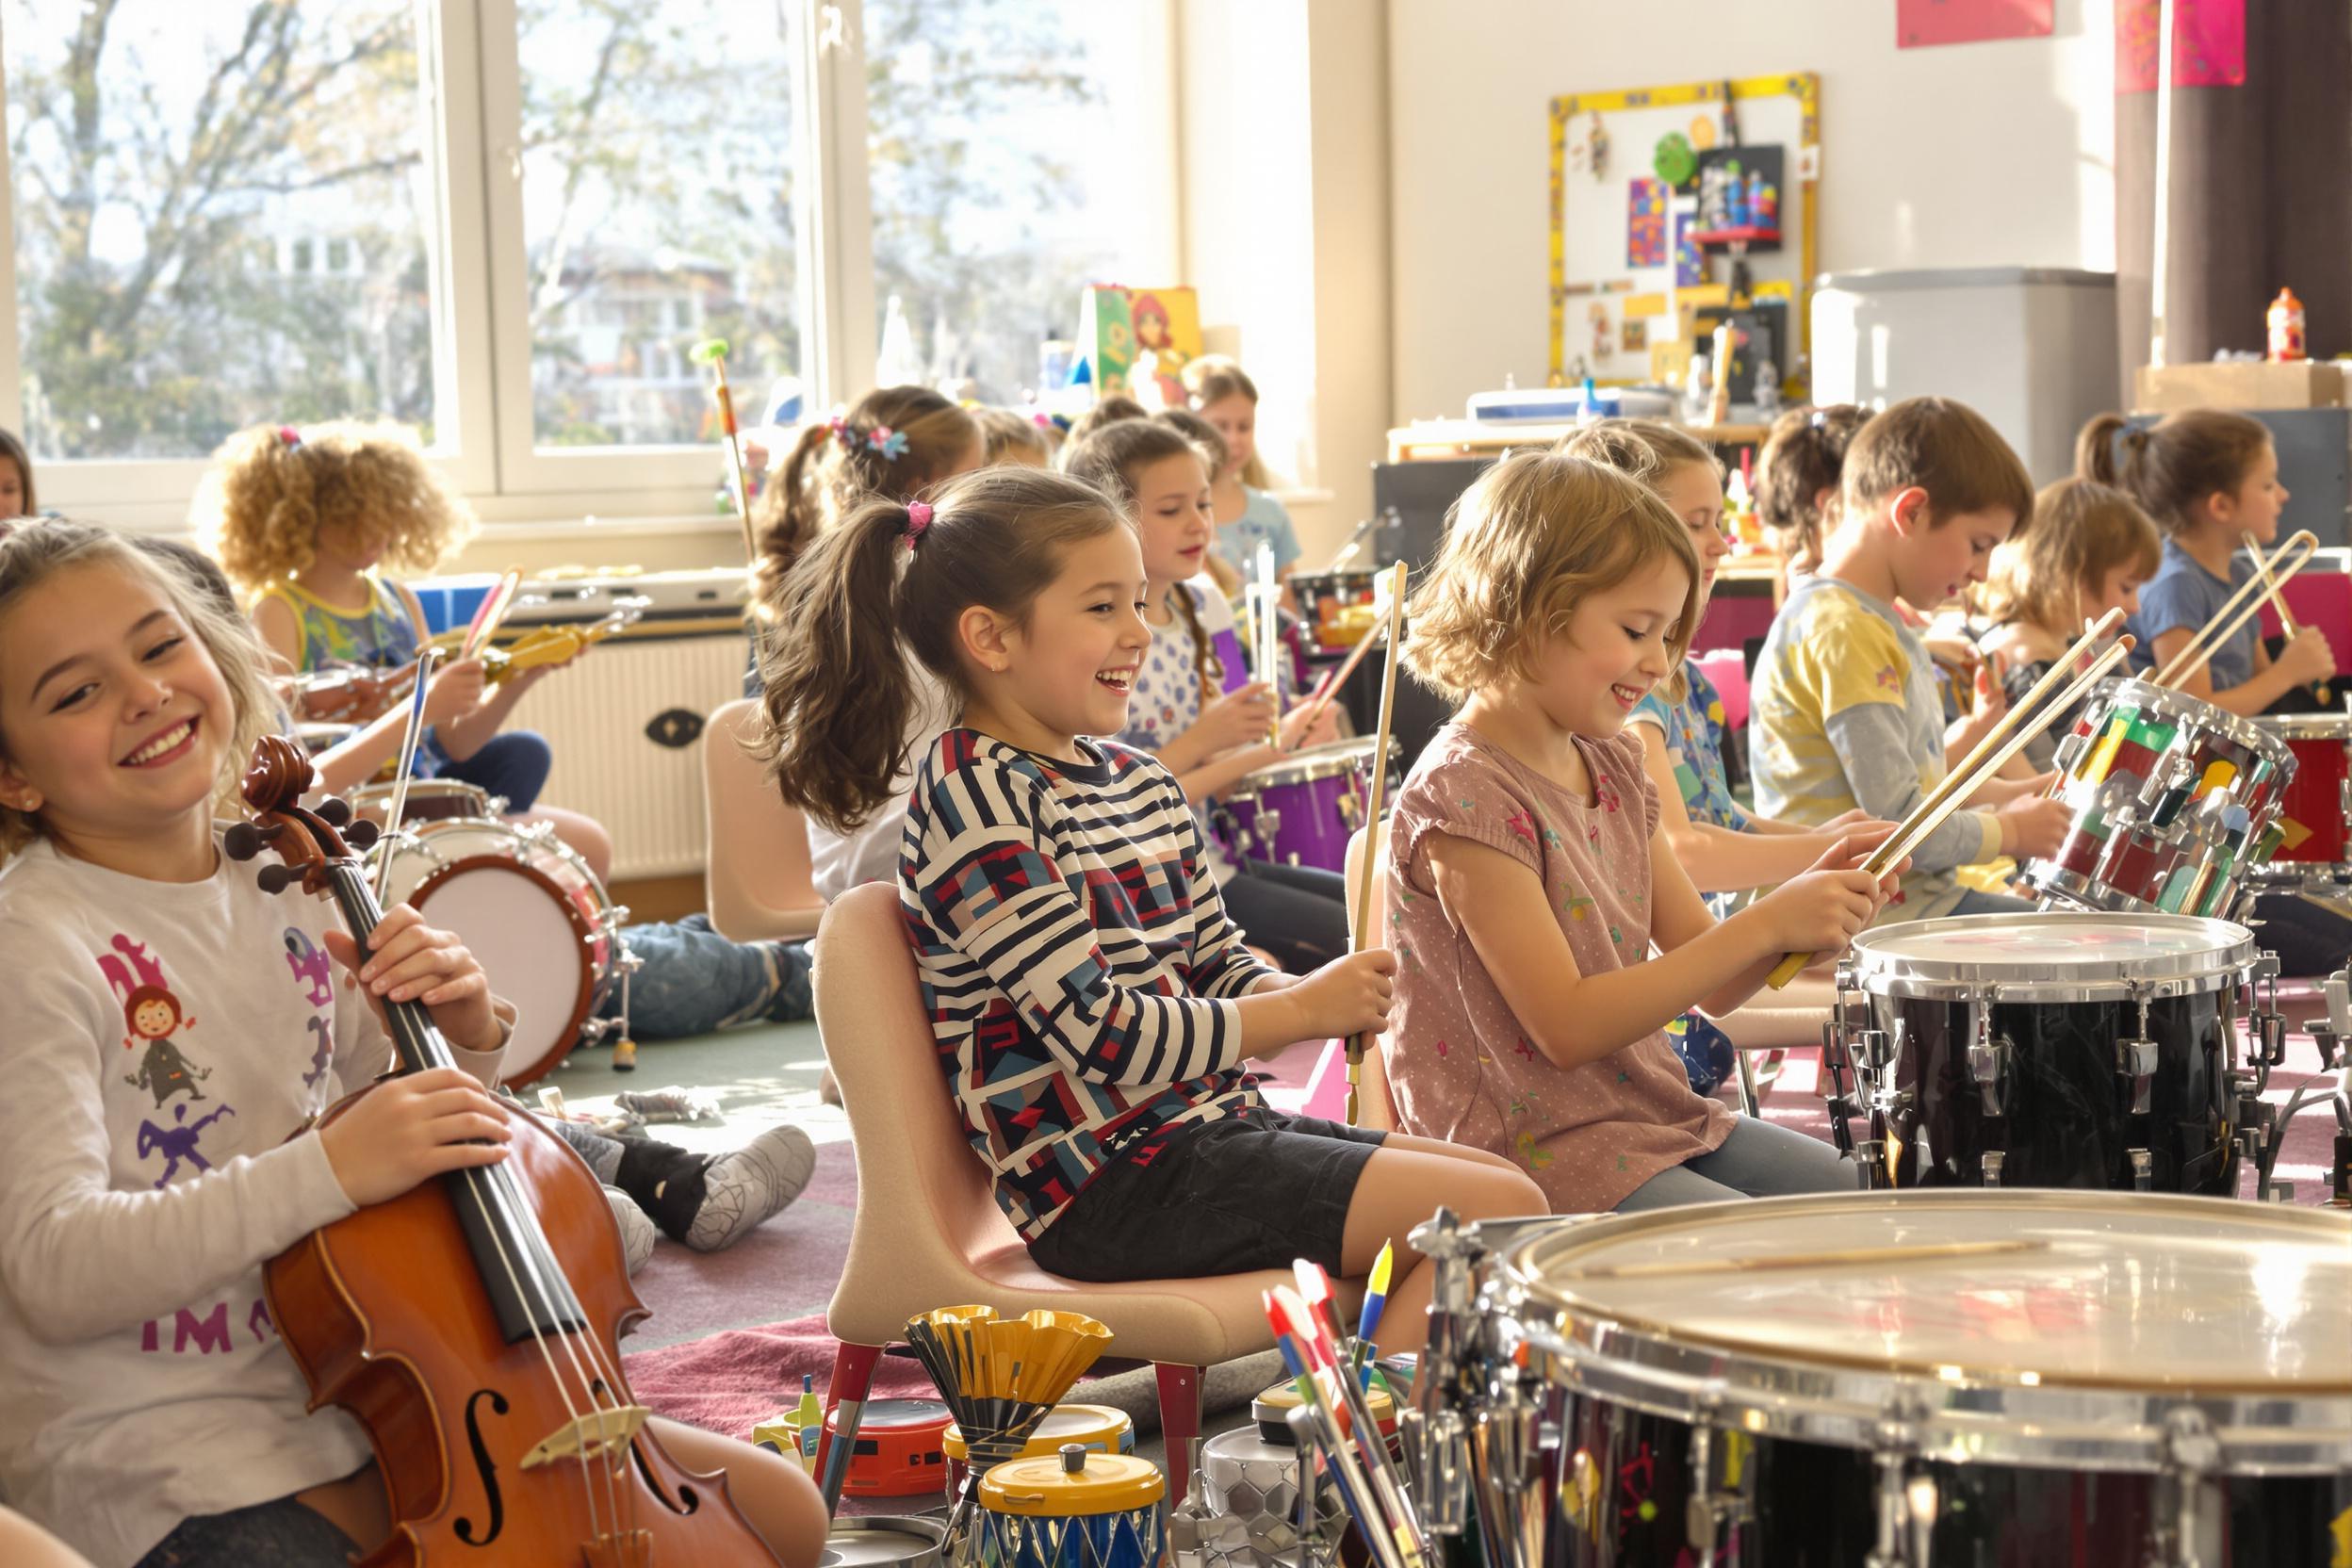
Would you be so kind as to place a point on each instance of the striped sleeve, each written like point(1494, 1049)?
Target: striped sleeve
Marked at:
point(992, 891)
point(1221, 964)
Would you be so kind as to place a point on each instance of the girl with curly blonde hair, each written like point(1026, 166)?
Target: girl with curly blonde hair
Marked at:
point(304, 521)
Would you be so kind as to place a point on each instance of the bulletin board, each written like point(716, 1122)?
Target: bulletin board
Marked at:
point(1611, 261)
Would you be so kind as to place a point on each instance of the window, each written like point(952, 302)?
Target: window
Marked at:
point(508, 223)
point(149, 140)
point(1003, 181)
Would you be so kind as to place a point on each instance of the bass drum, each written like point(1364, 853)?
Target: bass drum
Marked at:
point(536, 918)
point(2059, 1380)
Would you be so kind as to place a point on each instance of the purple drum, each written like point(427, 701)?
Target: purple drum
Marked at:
point(1300, 810)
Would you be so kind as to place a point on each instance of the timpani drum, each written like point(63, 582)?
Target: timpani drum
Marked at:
point(2058, 1379)
point(2174, 801)
point(2047, 1049)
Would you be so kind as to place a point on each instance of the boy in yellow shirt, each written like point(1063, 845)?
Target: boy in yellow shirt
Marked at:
point(1845, 707)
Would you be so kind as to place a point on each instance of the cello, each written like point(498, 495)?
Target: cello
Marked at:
point(471, 1324)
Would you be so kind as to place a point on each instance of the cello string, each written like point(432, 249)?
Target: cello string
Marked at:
point(361, 914)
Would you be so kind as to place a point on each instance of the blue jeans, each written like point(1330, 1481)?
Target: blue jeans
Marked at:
point(1758, 1160)
point(514, 766)
point(694, 980)
point(1972, 902)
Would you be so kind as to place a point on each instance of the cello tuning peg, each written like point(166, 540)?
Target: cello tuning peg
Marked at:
point(361, 833)
point(335, 810)
point(277, 876)
point(242, 841)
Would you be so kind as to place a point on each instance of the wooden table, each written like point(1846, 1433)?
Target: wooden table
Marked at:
point(1426, 439)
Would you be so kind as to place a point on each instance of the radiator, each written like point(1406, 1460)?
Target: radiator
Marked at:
point(626, 724)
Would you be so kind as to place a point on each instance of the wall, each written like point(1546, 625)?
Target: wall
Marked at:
point(1968, 155)
point(1285, 154)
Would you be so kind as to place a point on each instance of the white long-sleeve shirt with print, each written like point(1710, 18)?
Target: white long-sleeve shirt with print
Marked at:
point(161, 1047)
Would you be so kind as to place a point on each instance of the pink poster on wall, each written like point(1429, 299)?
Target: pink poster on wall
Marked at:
point(1919, 24)
point(2207, 44)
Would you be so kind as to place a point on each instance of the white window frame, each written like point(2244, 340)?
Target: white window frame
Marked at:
point(471, 93)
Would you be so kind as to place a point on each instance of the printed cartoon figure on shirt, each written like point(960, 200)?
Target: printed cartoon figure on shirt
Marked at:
point(178, 1142)
point(308, 961)
point(152, 1014)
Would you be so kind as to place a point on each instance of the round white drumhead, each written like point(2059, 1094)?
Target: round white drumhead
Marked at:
point(430, 845)
point(2054, 946)
point(2049, 1290)
point(525, 944)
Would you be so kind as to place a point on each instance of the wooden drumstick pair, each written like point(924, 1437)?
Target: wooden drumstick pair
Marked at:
point(2000, 742)
point(2279, 601)
point(2273, 574)
point(1394, 628)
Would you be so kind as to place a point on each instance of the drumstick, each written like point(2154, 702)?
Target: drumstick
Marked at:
point(1812, 1260)
point(409, 738)
point(1329, 693)
point(1372, 811)
point(2278, 602)
point(1928, 816)
point(495, 605)
point(712, 351)
point(2181, 666)
point(1267, 629)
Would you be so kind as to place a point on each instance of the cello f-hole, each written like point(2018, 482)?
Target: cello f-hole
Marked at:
point(483, 1467)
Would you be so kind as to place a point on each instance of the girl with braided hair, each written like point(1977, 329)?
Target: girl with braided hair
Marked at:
point(897, 442)
point(1194, 704)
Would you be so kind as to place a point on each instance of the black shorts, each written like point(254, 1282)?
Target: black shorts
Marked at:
point(1257, 1190)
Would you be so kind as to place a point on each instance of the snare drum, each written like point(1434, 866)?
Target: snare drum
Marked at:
point(533, 914)
point(884, 1541)
point(429, 800)
point(2317, 815)
point(2052, 1048)
point(1299, 811)
point(2079, 1379)
point(2173, 801)
point(1073, 1509)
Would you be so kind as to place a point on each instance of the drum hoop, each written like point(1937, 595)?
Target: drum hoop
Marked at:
point(2266, 1427)
point(1331, 760)
point(584, 1000)
point(1946, 980)
point(2173, 703)
point(2307, 727)
point(931, 1531)
point(2085, 896)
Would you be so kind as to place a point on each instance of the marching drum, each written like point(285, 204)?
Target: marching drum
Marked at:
point(2316, 845)
point(532, 911)
point(1299, 811)
point(2175, 803)
point(2052, 1050)
point(1901, 1381)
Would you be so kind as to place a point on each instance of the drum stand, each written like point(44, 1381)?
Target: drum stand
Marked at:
point(2259, 1125)
point(1863, 1055)
point(2333, 1034)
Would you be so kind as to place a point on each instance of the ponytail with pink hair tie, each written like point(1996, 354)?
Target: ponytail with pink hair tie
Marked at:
point(918, 518)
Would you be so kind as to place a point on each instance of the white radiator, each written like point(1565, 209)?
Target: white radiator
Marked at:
point(626, 724)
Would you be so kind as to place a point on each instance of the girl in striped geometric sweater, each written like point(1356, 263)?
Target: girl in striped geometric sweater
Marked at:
point(1092, 1003)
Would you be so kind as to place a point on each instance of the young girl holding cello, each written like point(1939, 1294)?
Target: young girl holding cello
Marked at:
point(175, 1032)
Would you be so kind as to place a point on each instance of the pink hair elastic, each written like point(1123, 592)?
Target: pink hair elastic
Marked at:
point(918, 518)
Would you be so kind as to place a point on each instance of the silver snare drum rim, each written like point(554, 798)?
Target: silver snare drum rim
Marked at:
point(2307, 727)
point(2212, 955)
point(1331, 760)
point(2181, 708)
point(1562, 1335)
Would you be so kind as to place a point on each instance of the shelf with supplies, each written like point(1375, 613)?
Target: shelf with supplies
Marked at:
point(1429, 439)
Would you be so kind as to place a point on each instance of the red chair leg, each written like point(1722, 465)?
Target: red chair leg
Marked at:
point(1180, 1422)
point(852, 1377)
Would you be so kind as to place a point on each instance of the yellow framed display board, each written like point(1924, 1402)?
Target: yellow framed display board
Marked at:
point(1597, 288)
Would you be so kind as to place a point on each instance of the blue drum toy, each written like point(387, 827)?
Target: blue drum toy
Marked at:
point(1073, 1509)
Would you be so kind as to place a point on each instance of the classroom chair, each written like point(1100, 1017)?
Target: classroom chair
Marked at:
point(756, 870)
point(927, 1231)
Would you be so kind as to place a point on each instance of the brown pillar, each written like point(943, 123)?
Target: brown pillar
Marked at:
point(2260, 197)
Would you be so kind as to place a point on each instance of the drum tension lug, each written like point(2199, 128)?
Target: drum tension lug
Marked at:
point(1711, 1514)
point(2187, 1518)
point(2136, 1059)
point(2143, 1168)
point(1989, 1166)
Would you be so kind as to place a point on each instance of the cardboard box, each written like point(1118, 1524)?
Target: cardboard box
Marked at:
point(2296, 383)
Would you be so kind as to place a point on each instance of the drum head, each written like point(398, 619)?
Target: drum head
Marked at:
point(531, 941)
point(2057, 1322)
point(2052, 956)
point(883, 1538)
point(1324, 761)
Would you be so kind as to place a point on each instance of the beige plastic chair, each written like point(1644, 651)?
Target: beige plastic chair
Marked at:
point(756, 878)
point(928, 1233)
point(1770, 1024)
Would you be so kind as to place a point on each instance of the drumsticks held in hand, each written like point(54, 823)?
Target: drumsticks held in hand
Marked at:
point(2050, 696)
point(2278, 602)
point(1376, 790)
point(2274, 573)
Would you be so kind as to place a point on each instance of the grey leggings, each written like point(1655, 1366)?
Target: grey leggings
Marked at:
point(1758, 1160)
